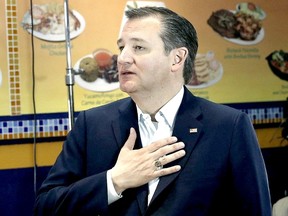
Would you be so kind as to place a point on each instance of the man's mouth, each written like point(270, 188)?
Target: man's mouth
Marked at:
point(126, 72)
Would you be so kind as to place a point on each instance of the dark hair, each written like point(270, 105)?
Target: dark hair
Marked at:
point(176, 32)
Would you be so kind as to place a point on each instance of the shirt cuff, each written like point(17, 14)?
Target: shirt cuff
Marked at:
point(111, 192)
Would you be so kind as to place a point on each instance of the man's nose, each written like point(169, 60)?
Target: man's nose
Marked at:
point(125, 57)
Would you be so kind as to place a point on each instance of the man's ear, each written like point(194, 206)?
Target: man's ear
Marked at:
point(179, 58)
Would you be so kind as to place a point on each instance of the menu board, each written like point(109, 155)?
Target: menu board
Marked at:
point(246, 63)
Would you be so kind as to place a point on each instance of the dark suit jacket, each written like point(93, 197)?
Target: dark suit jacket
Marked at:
point(222, 173)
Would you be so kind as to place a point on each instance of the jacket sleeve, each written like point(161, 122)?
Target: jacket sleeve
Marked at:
point(248, 170)
point(68, 190)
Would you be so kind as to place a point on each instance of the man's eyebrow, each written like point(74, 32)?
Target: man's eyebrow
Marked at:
point(119, 41)
point(132, 39)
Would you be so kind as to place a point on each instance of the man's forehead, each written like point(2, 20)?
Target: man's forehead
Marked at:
point(139, 29)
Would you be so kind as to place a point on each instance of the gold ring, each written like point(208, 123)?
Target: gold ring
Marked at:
point(158, 164)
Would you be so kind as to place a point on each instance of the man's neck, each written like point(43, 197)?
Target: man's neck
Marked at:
point(152, 103)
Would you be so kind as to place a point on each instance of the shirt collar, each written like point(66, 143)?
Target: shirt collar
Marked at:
point(169, 110)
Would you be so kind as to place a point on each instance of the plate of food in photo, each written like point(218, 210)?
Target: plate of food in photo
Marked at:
point(97, 71)
point(278, 63)
point(243, 26)
point(49, 22)
point(208, 71)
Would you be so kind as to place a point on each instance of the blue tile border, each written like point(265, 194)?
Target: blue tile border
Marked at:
point(264, 114)
point(22, 127)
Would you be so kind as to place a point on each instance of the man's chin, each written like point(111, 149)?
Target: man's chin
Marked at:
point(128, 88)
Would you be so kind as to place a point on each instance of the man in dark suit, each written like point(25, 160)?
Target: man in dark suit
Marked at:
point(162, 151)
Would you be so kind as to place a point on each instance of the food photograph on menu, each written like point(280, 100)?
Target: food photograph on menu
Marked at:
point(97, 71)
point(242, 25)
point(278, 63)
point(48, 22)
point(208, 70)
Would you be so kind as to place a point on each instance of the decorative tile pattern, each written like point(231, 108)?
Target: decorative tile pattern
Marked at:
point(13, 56)
point(266, 116)
point(22, 129)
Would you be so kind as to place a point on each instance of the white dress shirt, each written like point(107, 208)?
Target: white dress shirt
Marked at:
point(280, 208)
point(151, 131)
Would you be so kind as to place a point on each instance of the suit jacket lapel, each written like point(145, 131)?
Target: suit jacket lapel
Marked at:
point(128, 118)
point(187, 129)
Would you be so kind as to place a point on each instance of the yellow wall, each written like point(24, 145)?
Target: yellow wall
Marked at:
point(21, 156)
point(271, 137)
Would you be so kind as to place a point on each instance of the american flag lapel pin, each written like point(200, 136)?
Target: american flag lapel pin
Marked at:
point(193, 130)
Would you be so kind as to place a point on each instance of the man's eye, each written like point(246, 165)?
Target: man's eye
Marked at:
point(121, 48)
point(137, 48)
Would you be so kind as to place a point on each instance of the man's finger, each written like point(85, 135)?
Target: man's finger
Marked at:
point(162, 142)
point(131, 139)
